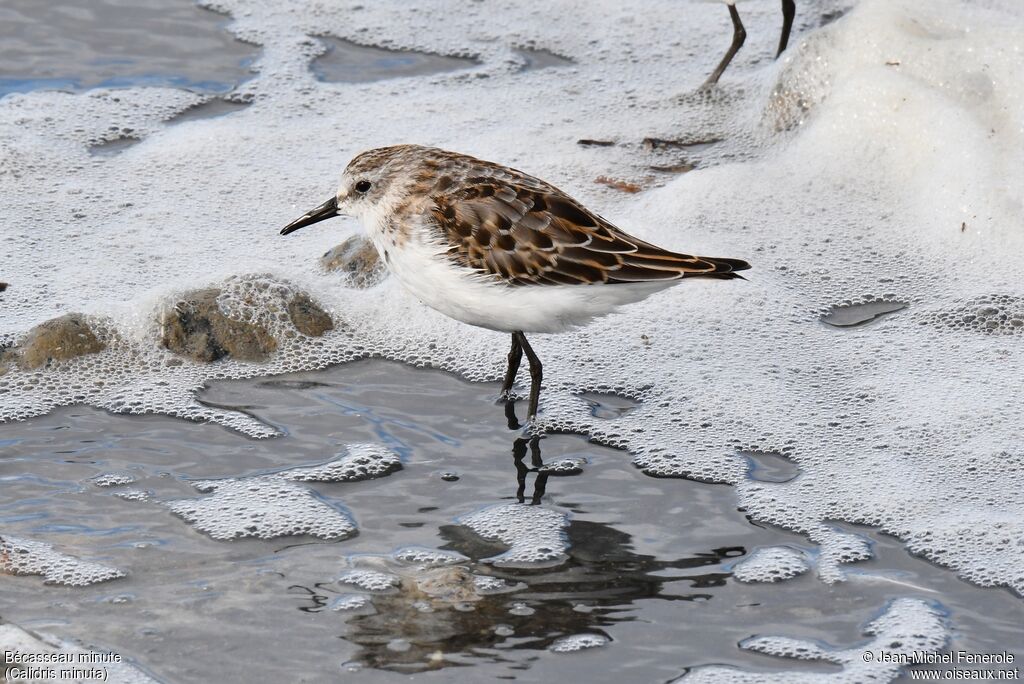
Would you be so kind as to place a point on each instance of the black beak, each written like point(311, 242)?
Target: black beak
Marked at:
point(328, 209)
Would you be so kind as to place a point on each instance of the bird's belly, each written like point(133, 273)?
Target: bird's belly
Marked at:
point(461, 294)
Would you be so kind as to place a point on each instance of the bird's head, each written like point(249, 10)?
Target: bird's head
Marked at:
point(365, 186)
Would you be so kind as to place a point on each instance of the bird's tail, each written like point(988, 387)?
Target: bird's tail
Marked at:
point(724, 269)
point(650, 263)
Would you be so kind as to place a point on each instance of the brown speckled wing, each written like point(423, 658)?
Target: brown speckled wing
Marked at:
point(526, 232)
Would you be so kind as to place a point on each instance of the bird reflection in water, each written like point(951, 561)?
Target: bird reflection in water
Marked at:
point(519, 451)
point(433, 617)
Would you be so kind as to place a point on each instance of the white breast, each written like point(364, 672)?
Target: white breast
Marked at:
point(425, 271)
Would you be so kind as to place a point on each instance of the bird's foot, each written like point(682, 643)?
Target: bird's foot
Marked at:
point(511, 396)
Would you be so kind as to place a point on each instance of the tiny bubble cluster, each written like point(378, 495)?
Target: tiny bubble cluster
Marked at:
point(578, 642)
point(565, 466)
point(535, 535)
point(26, 557)
point(370, 580)
point(421, 555)
point(112, 479)
point(347, 602)
point(487, 586)
point(133, 494)
point(771, 564)
point(992, 314)
point(907, 626)
point(261, 507)
point(359, 462)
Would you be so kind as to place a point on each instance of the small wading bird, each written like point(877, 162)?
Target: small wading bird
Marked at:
point(493, 247)
point(739, 34)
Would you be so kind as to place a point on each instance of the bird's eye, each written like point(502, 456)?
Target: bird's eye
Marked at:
point(363, 186)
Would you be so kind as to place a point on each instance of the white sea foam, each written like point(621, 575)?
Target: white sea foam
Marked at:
point(370, 580)
point(771, 564)
point(359, 462)
point(535, 534)
point(112, 479)
point(27, 557)
point(421, 555)
point(578, 642)
point(346, 602)
point(907, 628)
point(117, 670)
point(262, 507)
point(878, 158)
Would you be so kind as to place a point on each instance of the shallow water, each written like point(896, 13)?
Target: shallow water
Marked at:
point(649, 565)
point(851, 315)
point(349, 62)
point(112, 43)
point(651, 561)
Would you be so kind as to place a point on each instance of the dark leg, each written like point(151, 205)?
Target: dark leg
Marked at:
point(535, 375)
point(541, 483)
point(518, 454)
point(739, 34)
point(535, 458)
point(522, 470)
point(510, 415)
point(788, 12)
point(515, 355)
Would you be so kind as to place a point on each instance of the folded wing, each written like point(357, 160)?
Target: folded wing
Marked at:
point(526, 232)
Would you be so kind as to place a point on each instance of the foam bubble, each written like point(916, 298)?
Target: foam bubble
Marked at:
point(112, 479)
point(564, 466)
point(360, 462)
point(347, 602)
point(906, 627)
point(771, 564)
point(26, 557)
point(990, 314)
point(262, 507)
point(133, 494)
point(370, 580)
point(578, 642)
point(486, 585)
point(14, 638)
point(421, 555)
point(521, 609)
point(535, 534)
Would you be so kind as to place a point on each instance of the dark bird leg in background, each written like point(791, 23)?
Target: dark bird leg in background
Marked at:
point(788, 12)
point(739, 34)
point(535, 374)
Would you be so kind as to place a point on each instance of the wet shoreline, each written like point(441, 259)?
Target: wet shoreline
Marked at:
point(399, 522)
point(642, 551)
